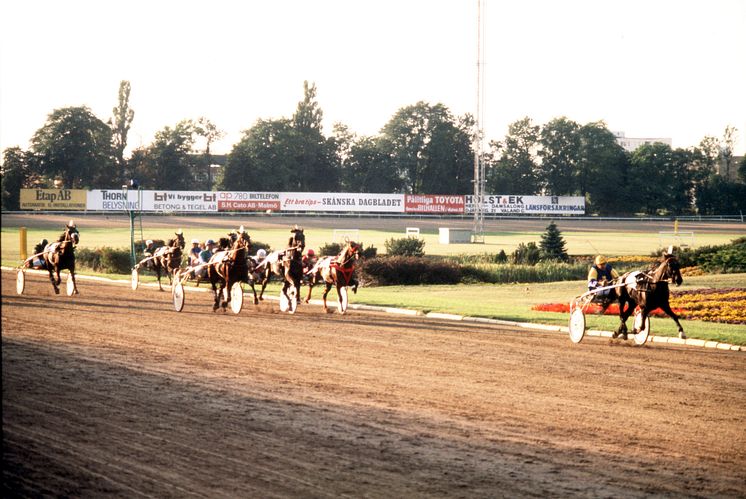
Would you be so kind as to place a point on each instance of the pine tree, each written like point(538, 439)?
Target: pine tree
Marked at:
point(552, 244)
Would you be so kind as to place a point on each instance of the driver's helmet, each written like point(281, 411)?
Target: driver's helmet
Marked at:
point(311, 252)
point(261, 253)
point(195, 241)
point(209, 242)
point(148, 242)
point(600, 260)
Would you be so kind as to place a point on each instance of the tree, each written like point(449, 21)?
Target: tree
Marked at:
point(263, 159)
point(168, 163)
point(364, 167)
point(560, 157)
point(515, 172)
point(661, 179)
point(75, 146)
point(742, 169)
point(122, 120)
point(210, 132)
point(430, 151)
point(603, 170)
point(552, 244)
point(14, 173)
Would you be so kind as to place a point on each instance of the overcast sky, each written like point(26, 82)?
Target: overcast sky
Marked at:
point(649, 68)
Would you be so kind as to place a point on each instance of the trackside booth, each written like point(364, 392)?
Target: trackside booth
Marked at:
point(454, 236)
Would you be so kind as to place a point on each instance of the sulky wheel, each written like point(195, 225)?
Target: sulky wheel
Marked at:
point(577, 325)
point(135, 278)
point(177, 293)
point(70, 284)
point(236, 298)
point(642, 332)
point(20, 281)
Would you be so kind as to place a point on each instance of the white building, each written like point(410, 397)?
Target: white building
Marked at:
point(632, 143)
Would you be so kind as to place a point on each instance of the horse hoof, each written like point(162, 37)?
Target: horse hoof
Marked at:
point(615, 335)
point(56, 291)
point(682, 335)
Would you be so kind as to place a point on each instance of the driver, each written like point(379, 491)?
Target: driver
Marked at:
point(38, 261)
point(600, 275)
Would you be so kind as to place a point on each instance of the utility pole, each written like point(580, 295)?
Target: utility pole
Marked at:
point(479, 174)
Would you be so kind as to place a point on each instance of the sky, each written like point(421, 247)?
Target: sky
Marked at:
point(649, 68)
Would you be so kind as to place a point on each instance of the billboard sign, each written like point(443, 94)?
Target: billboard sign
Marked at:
point(330, 201)
point(53, 199)
point(530, 205)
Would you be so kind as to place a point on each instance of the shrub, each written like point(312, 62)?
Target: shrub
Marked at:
point(369, 252)
point(526, 254)
point(330, 249)
point(407, 270)
point(405, 246)
point(541, 272)
point(257, 245)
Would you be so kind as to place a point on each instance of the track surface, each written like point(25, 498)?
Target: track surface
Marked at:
point(112, 393)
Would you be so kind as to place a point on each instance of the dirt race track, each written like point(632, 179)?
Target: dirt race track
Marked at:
point(112, 393)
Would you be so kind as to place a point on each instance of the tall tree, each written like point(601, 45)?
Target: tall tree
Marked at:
point(515, 171)
point(210, 132)
point(121, 122)
point(75, 146)
point(729, 142)
point(560, 157)
point(314, 158)
point(661, 180)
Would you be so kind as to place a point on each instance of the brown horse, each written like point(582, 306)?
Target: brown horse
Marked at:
point(61, 255)
point(227, 267)
point(338, 272)
point(167, 259)
point(648, 290)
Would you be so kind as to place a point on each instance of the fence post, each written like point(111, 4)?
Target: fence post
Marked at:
point(22, 245)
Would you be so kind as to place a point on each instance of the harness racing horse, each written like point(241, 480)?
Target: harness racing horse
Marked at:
point(648, 291)
point(227, 267)
point(167, 259)
point(60, 255)
point(336, 271)
point(286, 264)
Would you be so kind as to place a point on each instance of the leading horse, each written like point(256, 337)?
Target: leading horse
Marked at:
point(60, 255)
point(336, 271)
point(648, 290)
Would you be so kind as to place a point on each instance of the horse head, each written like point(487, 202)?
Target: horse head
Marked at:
point(298, 239)
point(179, 241)
point(672, 270)
point(350, 252)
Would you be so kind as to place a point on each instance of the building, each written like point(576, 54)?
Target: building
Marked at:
point(631, 143)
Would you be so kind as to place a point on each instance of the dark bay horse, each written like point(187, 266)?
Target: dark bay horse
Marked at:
point(227, 267)
point(167, 259)
point(335, 271)
point(648, 290)
point(60, 255)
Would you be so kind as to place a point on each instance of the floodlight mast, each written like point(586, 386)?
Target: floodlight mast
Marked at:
point(479, 174)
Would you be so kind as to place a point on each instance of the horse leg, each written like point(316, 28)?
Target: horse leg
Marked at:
point(226, 296)
point(327, 288)
point(51, 279)
point(216, 296)
point(666, 307)
point(624, 313)
point(75, 284)
point(158, 274)
point(310, 288)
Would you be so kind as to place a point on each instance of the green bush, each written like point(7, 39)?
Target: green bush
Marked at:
point(725, 258)
point(552, 245)
point(405, 246)
point(465, 259)
point(106, 260)
point(407, 270)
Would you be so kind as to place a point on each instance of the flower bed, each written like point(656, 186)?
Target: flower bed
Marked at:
point(712, 305)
